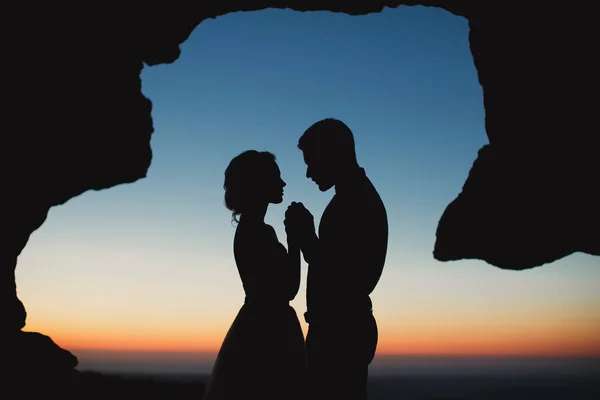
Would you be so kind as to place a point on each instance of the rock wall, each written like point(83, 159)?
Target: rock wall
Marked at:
point(75, 120)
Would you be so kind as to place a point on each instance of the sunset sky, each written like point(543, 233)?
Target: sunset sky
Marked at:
point(149, 266)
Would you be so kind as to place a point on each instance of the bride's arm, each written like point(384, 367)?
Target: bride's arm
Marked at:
point(293, 268)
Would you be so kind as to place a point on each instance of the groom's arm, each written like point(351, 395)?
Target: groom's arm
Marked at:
point(304, 225)
point(310, 247)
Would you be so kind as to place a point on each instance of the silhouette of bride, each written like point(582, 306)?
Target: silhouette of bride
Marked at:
point(262, 356)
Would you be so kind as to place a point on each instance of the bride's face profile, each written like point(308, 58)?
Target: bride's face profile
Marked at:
point(274, 185)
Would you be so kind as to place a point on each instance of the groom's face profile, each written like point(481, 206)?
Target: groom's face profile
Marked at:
point(318, 169)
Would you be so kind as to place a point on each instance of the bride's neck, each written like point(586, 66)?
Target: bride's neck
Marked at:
point(255, 213)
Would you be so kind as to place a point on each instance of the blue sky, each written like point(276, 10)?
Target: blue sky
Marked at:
point(156, 256)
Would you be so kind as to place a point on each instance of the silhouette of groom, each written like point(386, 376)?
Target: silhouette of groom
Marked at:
point(345, 261)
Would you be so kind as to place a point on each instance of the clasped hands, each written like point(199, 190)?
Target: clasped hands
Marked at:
point(299, 223)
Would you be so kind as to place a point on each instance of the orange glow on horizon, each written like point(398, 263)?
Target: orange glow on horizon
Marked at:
point(401, 343)
point(499, 334)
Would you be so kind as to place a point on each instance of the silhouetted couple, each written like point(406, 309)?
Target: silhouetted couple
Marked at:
point(264, 355)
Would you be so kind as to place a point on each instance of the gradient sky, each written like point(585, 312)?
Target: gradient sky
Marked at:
point(149, 265)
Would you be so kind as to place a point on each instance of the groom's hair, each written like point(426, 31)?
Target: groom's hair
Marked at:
point(332, 136)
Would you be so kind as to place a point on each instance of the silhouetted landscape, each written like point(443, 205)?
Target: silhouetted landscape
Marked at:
point(442, 387)
point(392, 377)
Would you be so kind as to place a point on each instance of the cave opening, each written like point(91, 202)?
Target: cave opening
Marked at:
point(149, 249)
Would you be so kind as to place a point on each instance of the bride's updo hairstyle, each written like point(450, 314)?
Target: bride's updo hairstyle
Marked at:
point(244, 179)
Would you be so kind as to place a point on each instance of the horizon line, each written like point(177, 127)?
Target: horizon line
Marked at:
point(378, 354)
